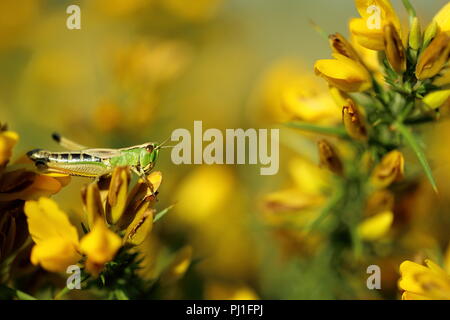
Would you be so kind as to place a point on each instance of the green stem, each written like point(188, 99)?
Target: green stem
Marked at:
point(334, 131)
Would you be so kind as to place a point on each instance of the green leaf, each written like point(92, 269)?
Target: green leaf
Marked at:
point(413, 143)
point(334, 131)
point(411, 11)
point(161, 214)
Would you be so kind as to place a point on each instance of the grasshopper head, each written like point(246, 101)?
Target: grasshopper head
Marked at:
point(149, 156)
point(39, 157)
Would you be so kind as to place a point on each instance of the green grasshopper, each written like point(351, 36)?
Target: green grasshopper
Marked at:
point(95, 163)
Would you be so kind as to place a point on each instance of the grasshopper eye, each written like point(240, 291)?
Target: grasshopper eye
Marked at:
point(149, 148)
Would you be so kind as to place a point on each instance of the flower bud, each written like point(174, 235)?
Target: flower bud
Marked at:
point(140, 227)
point(117, 194)
point(329, 158)
point(92, 203)
point(341, 46)
point(138, 195)
point(434, 58)
point(394, 49)
point(389, 170)
point(430, 33)
point(353, 121)
point(415, 35)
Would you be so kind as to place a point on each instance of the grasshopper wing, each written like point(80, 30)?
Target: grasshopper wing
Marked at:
point(103, 153)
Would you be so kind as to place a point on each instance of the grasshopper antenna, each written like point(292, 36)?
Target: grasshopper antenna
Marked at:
point(163, 146)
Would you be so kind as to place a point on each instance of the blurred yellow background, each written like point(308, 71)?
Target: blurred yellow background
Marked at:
point(137, 70)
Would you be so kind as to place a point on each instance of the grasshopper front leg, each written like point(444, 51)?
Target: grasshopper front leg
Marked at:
point(143, 176)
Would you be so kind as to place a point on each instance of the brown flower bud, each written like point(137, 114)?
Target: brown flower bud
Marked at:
point(353, 121)
point(389, 170)
point(340, 45)
point(140, 227)
point(395, 52)
point(92, 203)
point(329, 157)
point(117, 194)
point(434, 58)
point(138, 195)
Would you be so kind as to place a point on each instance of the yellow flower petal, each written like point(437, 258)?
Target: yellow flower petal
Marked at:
point(47, 221)
point(376, 14)
point(437, 98)
point(309, 105)
point(387, 11)
point(368, 38)
point(376, 227)
point(308, 177)
point(100, 245)
point(442, 18)
point(430, 282)
point(55, 254)
point(344, 73)
point(56, 239)
point(8, 140)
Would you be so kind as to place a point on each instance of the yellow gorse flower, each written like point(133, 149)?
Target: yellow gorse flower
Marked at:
point(344, 73)
point(368, 30)
point(56, 239)
point(429, 282)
